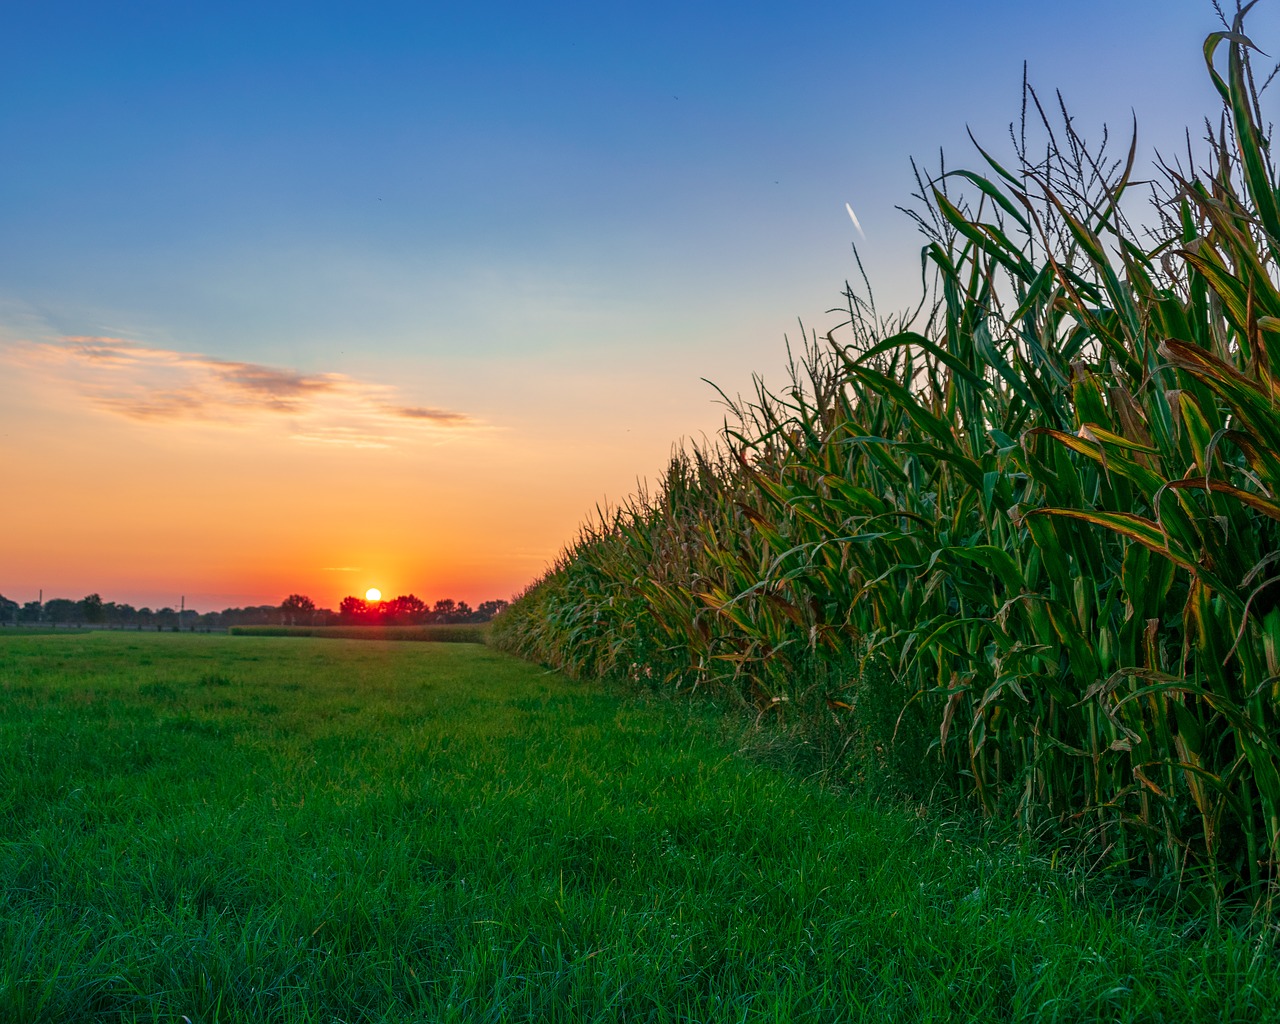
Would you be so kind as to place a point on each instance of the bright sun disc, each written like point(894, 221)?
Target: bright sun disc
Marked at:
point(373, 594)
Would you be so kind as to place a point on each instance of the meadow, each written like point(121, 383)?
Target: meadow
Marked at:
point(216, 829)
point(459, 633)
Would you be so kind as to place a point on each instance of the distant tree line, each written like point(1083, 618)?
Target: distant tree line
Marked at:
point(94, 611)
point(294, 610)
point(408, 610)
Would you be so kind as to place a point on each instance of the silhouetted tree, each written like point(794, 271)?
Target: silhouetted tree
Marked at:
point(403, 610)
point(91, 609)
point(296, 607)
point(408, 609)
point(354, 609)
point(58, 610)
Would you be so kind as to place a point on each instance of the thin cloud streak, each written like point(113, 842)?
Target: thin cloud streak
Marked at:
point(412, 412)
point(854, 217)
point(150, 385)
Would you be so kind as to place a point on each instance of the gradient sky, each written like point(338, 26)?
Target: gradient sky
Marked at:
point(322, 296)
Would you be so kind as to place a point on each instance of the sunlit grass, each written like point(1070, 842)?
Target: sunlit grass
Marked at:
point(464, 633)
point(259, 829)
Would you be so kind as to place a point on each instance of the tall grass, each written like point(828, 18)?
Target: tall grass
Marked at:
point(1026, 539)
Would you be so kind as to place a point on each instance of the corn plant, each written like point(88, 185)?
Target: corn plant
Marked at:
point(1039, 519)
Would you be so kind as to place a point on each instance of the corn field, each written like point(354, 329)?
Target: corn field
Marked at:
point(1026, 540)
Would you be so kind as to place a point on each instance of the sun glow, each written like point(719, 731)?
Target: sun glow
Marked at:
point(373, 594)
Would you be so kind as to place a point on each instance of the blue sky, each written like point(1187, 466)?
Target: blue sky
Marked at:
point(281, 179)
point(552, 219)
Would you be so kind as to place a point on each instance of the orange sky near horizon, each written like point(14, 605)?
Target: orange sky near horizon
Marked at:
point(150, 475)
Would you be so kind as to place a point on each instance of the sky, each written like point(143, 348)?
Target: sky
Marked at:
point(317, 297)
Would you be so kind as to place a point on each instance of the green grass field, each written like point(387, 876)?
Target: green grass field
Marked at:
point(270, 829)
point(460, 633)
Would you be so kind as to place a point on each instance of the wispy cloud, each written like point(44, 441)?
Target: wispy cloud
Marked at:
point(854, 217)
point(416, 412)
point(150, 385)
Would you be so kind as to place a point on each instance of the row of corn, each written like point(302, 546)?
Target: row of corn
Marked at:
point(1031, 547)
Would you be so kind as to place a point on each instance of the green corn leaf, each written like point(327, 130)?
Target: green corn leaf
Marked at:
point(997, 560)
point(1147, 480)
point(1093, 432)
point(1255, 501)
point(1134, 527)
point(981, 237)
point(1247, 398)
point(911, 338)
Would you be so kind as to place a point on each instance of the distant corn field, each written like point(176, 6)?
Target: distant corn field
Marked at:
point(1028, 539)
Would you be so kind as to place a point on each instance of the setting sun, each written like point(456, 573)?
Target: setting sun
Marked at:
point(373, 594)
